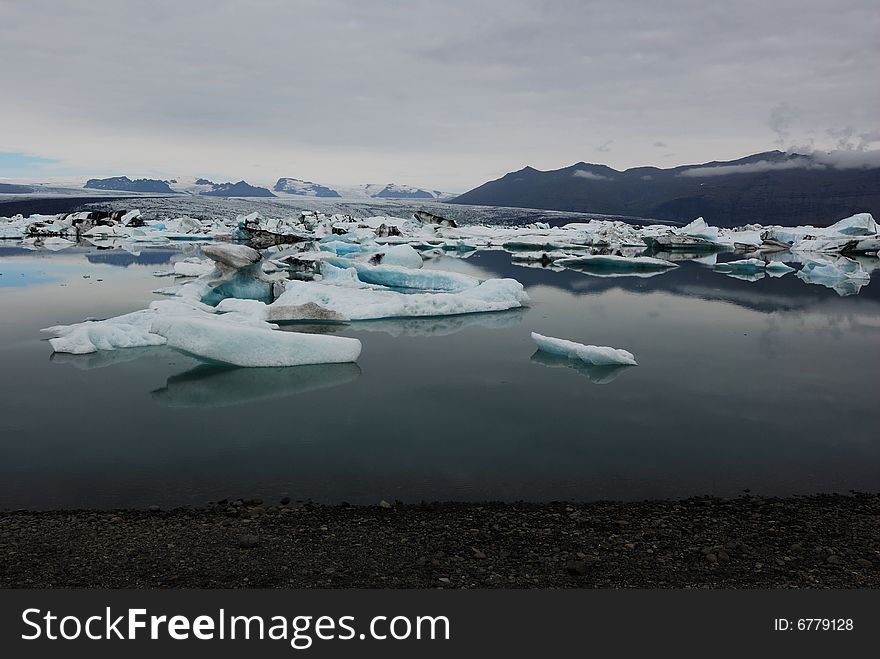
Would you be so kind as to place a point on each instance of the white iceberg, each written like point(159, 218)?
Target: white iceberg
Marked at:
point(404, 256)
point(778, 268)
point(699, 229)
point(232, 255)
point(596, 355)
point(742, 266)
point(88, 337)
point(397, 277)
point(239, 345)
point(313, 300)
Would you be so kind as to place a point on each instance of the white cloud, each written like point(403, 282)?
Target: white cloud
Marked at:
point(752, 167)
point(590, 176)
point(852, 159)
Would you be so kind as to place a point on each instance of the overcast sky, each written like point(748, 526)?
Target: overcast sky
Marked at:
point(440, 94)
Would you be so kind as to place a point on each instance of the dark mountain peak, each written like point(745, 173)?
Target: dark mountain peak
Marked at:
point(240, 189)
point(128, 185)
point(771, 187)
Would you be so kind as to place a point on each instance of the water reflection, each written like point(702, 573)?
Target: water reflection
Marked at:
point(595, 374)
point(105, 358)
point(451, 407)
point(210, 386)
point(442, 325)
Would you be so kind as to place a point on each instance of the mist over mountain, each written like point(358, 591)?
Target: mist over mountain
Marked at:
point(771, 188)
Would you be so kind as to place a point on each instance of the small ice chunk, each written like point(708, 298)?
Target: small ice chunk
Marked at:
point(330, 274)
point(612, 263)
point(193, 267)
point(743, 266)
point(778, 268)
point(232, 255)
point(402, 255)
point(239, 345)
point(699, 229)
point(596, 355)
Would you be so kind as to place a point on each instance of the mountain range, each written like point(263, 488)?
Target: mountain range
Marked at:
point(283, 187)
point(770, 188)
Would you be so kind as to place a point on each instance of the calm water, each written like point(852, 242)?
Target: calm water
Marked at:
point(770, 386)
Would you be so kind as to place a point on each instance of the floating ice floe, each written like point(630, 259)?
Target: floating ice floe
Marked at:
point(88, 337)
point(318, 301)
point(596, 355)
point(190, 267)
point(240, 345)
point(399, 277)
point(403, 256)
point(602, 264)
point(778, 268)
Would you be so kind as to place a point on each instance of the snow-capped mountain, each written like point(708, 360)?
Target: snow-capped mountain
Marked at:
point(194, 185)
point(302, 188)
point(388, 191)
point(190, 184)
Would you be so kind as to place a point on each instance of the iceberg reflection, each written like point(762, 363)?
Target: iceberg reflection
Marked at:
point(442, 325)
point(595, 374)
point(210, 385)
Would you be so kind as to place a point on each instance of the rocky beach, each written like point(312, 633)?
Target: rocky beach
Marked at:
point(822, 541)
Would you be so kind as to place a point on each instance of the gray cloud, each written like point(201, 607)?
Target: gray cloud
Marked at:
point(661, 145)
point(849, 159)
point(441, 95)
point(605, 147)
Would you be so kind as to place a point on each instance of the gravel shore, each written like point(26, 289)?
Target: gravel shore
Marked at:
point(828, 541)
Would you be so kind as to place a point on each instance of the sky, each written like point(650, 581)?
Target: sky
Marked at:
point(442, 95)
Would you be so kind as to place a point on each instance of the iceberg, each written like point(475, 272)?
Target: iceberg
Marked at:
point(318, 301)
point(671, 241)
point(742, 266)
point(240, 345)
point(89, 337)
point(398, 277)
point(778, 269)
point(596, 355)
point(612, 264)
point(403, 256)
point(232, 255)
point(699, 229)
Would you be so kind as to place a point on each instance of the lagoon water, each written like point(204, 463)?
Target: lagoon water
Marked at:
point(769, 386)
